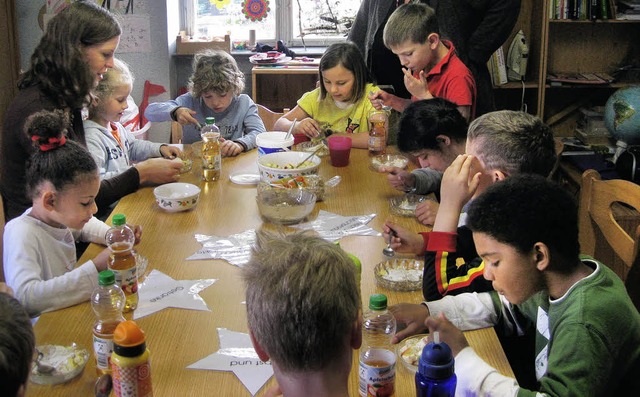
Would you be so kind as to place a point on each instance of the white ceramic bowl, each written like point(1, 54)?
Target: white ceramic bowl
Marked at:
point(272, 165)
point(178, 196)
point(285, 206)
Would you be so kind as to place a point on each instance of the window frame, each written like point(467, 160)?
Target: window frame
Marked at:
point(284, 25)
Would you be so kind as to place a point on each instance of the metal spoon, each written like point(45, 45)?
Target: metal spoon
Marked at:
point(388, 251)
point(290, 129)
point(103, 386)
point(43, 368)
point(308, 157)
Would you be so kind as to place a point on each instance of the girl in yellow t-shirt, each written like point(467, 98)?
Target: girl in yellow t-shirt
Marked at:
point(340, 104)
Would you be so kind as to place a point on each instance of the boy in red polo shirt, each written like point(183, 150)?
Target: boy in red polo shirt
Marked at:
point(430, 65)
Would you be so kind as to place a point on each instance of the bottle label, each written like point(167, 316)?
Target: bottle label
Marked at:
point(377, 374)
point(103, 348)
point(132, 381)
point(376, 143)
point(127, 279)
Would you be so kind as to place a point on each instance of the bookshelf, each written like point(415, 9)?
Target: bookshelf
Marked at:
point(570, 46)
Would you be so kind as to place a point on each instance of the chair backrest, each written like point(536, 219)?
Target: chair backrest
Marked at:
point(610, 222)
point(268, 116)
point(176, 132)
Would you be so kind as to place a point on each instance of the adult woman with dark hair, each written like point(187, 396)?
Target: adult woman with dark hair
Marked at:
point(76, 49)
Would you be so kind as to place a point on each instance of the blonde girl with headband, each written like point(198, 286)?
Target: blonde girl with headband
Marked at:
point(39, 245)
point(113, 147)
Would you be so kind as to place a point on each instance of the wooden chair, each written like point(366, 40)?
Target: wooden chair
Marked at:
point(610, 226)
point(268, 116)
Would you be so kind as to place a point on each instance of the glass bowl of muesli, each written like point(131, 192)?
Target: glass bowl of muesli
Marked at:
point(400, 274)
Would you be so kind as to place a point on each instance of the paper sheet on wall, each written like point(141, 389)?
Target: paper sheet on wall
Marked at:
point(136, 33)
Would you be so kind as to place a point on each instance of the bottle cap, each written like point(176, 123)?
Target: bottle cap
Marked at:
point(128, 334)
point(378, 302)
point(210, 120)
point(106, 277)
point(436, 361)
point(128, 339)
point(118, 220)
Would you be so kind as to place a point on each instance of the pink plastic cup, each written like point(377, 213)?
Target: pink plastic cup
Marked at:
point(339, 150)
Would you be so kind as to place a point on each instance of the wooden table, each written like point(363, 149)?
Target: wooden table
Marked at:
point(280, 86)
point(178, 338)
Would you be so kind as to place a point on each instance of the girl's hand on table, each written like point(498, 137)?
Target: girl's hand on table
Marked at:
point(449, 334)
point(308, 127)
point(403, 241)
point(230, 148)
point(102, 260)
point(170, 152)
point(426, 212)
point(158, 171)
point(399, 178)
point(412, 316)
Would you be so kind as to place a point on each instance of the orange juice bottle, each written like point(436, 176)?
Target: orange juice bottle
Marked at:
point(130, 365)
point(121, 239)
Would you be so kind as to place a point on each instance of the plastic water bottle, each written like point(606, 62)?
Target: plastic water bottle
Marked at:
point(120, 239)
point(435, 376)
point(130, 365)
point(211, 157)
point(107, 301)
point(377, 358)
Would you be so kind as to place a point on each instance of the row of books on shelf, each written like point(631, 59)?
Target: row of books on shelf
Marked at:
point(498, 68)
point(586, 9)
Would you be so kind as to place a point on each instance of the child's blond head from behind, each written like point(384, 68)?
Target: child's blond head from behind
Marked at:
point(215, 71)
point(116, 77)
point(412, 22)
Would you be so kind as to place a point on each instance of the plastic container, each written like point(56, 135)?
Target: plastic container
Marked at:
point(273, 141)
point(377, 357)
point(107, 301)
point(211, 156)
point(435, 375)
point(130, 366)
point(120, 239)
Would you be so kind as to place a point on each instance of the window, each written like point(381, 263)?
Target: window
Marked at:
point(320, 21)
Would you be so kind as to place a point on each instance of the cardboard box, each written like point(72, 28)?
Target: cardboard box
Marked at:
point(184, 46)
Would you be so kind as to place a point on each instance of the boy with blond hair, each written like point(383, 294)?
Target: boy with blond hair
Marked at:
point(430, 65)
point(303, 311)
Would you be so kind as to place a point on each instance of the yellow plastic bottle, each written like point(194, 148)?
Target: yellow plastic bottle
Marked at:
point(130, 366)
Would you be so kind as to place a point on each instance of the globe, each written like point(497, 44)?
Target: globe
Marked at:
point(622, 115)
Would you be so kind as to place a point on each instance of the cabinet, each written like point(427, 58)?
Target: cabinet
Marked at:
point(278, 88)
point(570, 46)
